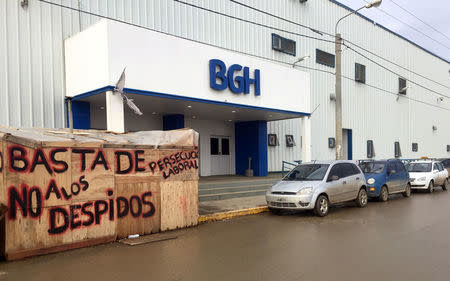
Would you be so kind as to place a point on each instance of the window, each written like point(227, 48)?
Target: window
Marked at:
point(356, 170)
point(214, 146)
point(415, 147)
point(448, 148)
point(397, 150)
point(400, 167)
point(290, 141)
point(272, 140)
point(391, 167)
point(360, 73)
point(370, 149)
point(225, 146)
point(402, 86)
point(307, 172)
point(336, 170)
point(283, 45)
point(440, 167)
point(324, 58)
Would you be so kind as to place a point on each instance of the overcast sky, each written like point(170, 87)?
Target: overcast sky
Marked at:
point(435, 13)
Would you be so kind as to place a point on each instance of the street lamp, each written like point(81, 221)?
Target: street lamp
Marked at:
point(338, 52)
point(300, 59)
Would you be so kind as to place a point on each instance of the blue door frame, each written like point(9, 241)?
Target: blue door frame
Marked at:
point(350, 144)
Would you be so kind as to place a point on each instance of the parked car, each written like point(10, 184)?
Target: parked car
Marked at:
point(426, 174)
point(386, 177)
point(317, 185)
point(446, 163)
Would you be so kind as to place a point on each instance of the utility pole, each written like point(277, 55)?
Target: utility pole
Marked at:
point(338, 89)
point(338, 85)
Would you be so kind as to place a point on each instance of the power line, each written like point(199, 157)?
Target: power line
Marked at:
point(393, 72)
point(284, 19)
point(429, 25)
point(396, 94)
point(410, 26)
point(252, 22)
point(396, 64)
point(311, 28)
point(256, 56)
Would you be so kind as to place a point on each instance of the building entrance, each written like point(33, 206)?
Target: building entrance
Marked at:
point(220, 155)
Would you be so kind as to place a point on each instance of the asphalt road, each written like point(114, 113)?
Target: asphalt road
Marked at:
point(402, 239)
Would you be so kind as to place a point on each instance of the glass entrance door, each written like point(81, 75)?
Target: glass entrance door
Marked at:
point(220, 155)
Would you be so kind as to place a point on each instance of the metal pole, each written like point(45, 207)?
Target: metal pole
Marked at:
point(338, 110)
point(69, 101)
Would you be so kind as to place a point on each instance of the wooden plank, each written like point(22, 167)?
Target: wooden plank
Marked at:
point(3, 199)
point(179, 204)
point(176, 165)
point(31, 177)
point(95, 175)
point(43, 251)
point(138, 208)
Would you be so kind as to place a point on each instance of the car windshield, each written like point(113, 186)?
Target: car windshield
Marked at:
point(372, 167)
point(307, 172)
point(419, 167)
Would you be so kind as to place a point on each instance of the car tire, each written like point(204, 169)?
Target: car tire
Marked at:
point(275, 211)
point(444, 185)
point(361, 200)
point(322, 206)
point(430, 188)
point(384, 194)
point(407, 192)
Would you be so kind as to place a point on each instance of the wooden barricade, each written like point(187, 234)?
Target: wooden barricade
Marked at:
point(76, 191)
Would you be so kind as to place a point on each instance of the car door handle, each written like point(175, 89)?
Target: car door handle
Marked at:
point(357, 178)
point(344, 182)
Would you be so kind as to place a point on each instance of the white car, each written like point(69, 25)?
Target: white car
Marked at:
point(426, 174)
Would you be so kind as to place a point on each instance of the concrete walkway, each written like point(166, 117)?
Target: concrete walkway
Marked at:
point(219, 194)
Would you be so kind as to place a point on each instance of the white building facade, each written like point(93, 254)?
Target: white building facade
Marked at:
point(34, 81)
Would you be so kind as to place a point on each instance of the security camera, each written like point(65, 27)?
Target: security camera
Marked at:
point(440, 99)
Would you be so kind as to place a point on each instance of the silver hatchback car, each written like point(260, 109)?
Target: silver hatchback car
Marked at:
point(316, 185)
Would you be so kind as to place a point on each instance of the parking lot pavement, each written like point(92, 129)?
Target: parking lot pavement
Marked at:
point(402, 239)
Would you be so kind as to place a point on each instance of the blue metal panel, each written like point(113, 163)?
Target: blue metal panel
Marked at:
point(251, 141)
point(350, 144)
point(173, 122)
point(81, 112)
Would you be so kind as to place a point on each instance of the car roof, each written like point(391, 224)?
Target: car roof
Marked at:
point(424, 161)
point(331, 162)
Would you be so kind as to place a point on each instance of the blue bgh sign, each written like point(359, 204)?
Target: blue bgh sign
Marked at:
point(227, 79)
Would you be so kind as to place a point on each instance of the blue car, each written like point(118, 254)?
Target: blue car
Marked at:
point(385, 177)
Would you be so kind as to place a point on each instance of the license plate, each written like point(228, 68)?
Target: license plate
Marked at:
point(281, 199)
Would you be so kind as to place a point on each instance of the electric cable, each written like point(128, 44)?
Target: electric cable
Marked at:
point(261, 57)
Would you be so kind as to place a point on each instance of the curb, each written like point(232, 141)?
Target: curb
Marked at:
point(231, 214)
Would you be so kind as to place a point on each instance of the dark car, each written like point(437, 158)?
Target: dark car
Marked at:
point(386, 177)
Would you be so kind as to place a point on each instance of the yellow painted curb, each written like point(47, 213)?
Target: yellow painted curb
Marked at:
point(231, 214)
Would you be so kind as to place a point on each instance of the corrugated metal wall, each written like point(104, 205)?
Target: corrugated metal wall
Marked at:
point(31, 66)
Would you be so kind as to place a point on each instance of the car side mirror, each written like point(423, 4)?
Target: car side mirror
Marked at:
point(392, 172)
point(334, 178)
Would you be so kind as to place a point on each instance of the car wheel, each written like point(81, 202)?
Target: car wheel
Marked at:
point(407, 191)
point(361, 200)
point(444, 185)
point(275, 211)
point(430, 187)
point(322, 206)
point(383, 197)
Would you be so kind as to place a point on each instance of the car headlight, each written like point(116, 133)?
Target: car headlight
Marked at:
point(305, 191)
point(422, 179)
point(371, 181)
